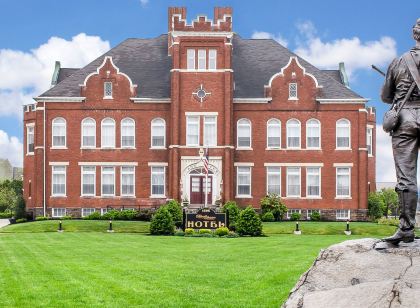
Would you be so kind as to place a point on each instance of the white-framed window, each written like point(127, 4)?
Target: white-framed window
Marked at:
point(158, 181)
point(30, 139)
point(210, 131)
point(58, 212)
point(313, 134)
point(108, 181)
point(309, 213)
point(107, 89)
point(190, 59)
point(108, 133)
point(293, 134)
point(342, 214)
point(274, 180)
point(193, 130)
point(88, 133)
point(128, 132)
point(343, 134)
point(58, 133)
point(343, 182)
point(244, 133)
point(291, 211)
point(313, 182)
point(158, 133)
point(104, 210)
point(274, 134)
point(369, 140)
point(87, 211)
point(293, 182)
point(243, 181)
point(58, 181)
point(293, 90)
point(88, 180)
point(127, 181)
point(212, 59)
point(201, 59)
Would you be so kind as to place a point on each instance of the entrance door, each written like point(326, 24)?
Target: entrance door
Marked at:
point(198, 189)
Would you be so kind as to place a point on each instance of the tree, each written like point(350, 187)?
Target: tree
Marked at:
point(233, 211)
point(390, 200)
point(175, 210)
point(8, 199)
point(162, 222)
point(375, 205)
point(273, 203)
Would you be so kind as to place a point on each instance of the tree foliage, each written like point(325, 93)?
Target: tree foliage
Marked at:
point(375, 205)
point(390, 200)
point(162, 222)
point(274, 204)
point(233, 211)
point(249, 223)
point(175, 210)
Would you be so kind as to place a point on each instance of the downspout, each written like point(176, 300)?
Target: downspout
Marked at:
point(44, 175)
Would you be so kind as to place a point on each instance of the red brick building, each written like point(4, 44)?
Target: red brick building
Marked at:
point(125, 131)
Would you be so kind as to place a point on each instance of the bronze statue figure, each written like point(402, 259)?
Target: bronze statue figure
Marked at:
point(402, 89)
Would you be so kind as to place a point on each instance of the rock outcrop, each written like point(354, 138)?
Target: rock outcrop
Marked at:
point(355, 274)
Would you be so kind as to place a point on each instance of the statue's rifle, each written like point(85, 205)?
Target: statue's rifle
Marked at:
point(378, 70)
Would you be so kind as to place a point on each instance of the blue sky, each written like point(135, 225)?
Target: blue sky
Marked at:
point(359, 32)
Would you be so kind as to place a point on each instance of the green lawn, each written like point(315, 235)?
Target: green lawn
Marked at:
point(96, 269)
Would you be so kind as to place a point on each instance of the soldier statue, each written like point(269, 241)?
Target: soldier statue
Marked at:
point(401, 88)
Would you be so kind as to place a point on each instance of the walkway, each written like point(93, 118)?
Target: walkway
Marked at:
point(4, 222)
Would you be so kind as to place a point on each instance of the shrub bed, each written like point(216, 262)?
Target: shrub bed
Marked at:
point(249, 223)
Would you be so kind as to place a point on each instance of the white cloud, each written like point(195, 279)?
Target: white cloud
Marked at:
point(267, 35)
point(144, 2)
point(11, 148)
point(29, 73)
point(352, 51)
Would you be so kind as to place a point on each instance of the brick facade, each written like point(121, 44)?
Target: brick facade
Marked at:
point(179, 160)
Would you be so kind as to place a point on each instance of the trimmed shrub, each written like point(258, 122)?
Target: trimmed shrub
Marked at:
point(162, 222)
point(179, 233)
point(6, 215)
point(375, 206)
point(232, 234)
point(268, 216)
point(126, 215)
point(41, 218)
point(93, 216)
point(204, 231)
point(68, 217)
point(315, 216)
point(222, 231)
point(21, 220)
point(249, 223)
point(144, 214)
point(189, 231)
point(233, 211)
point(389, 221)
point(273, 203)
point(111, 214)
point(206, 235)
point(175, 210)
point(295, 216)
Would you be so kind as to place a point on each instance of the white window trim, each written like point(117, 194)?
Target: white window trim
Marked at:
point(151, 180)
point(320, 135)
point(65, 180)
point(336, 183)
point(81, 182)
point(58, 147)
point(336, 135)
point(151, 135)
point(87, 208)
point(287, 135)
point(290, 211)
point(293, 98)
point(300, 183)
point(320, 184)
point(81, 133)
point(266, 178)
point(186, 131)
point(102, 181)
point(104, 210)
point(342, 218)
point(134, 182)
point(193, 58)
point(28, 126)
point(204, 130)
point(250, 134)
point(370, 138)
point(57, 216)
point(278, 123)
point(250, 181)
point(112, 90)
point(102, 134)
point(134, 135)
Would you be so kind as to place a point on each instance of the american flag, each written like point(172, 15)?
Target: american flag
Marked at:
point(206, 161)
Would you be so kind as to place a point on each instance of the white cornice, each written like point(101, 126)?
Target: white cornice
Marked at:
point(202, 33)
point(262, 100)
point(342, 100)
point(294, 164)
point(183, 70)
point(150, 100)
point(101, 163)
point(59, 99)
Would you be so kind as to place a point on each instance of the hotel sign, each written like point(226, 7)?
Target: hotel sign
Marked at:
point(205, 219)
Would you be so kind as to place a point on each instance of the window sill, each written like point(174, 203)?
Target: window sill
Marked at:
point(243, 196)
point(370, 155)
point(293, 99)
point(89, 148)
point(128, 197)
point(128, 148)
point(58, 196)
point(273, 149)
point(108, 97)
point(30, 154)
point(341, 218)
point(244, 149)
point(313, 149)
point(294, 149)
point(343, 198)
point(293, 197)
point(343, 149)
point(313, 197)
point(108, 196)
point(157, 196)
point(108, 148)
point(88, 196)
point(59, 148)
point(157, 148)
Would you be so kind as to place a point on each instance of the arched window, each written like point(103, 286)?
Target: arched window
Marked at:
point(244, 133)
point(313, 134)
point(273, 134)
point(59, 132)
point(158, 132)
point(88, 133)
point(108, 133)
point(293, 134)
point(128, 128)
point(343, 134)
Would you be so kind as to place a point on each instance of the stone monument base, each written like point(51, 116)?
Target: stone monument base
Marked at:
point(355, 274)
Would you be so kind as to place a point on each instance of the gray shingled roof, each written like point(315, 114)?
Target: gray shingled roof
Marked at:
point(334, 74)
point(63, 73)
point(147, 63)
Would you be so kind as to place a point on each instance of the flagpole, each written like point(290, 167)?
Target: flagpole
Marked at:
point(207, 174)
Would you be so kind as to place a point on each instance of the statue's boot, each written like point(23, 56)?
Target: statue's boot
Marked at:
point(405, 231)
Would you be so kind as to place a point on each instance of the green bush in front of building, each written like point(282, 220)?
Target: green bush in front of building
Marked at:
point(315, 216)
point(376, 206)
point(274, 204)
point(295, 216)
point(162, 222)
point(175, 210)
point(267, 217)
point(93, 216)
point(249, 223)
point(222, 231)
point(232, 209)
